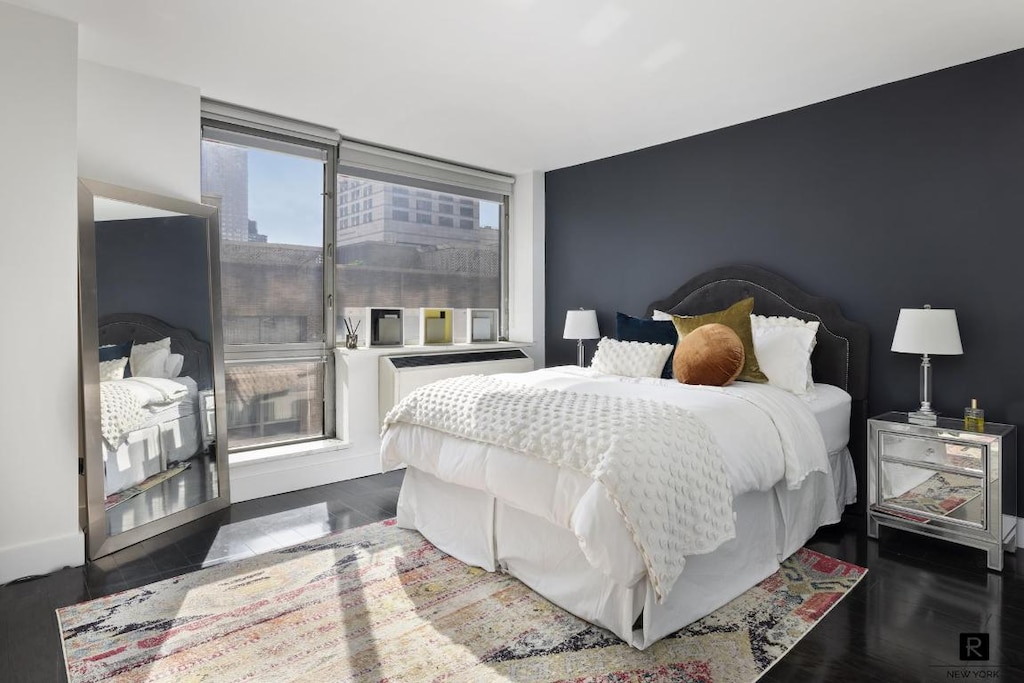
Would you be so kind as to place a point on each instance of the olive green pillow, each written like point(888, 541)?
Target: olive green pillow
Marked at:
point(737, 317)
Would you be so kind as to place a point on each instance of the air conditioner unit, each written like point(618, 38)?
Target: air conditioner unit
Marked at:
point(400, 375)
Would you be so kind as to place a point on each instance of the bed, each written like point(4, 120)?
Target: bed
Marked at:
point(558, 531)
point(169, 430)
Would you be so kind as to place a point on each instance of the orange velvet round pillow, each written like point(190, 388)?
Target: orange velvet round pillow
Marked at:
point(712, 354)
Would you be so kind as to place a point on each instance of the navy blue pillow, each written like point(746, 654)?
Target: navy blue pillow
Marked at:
point(115, 351)
point(628, 328)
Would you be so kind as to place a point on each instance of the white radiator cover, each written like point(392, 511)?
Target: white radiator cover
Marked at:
point(397, 382)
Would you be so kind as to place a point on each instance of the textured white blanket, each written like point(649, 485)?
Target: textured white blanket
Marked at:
point(120, 411)
point(658, 462)
point(122, 403)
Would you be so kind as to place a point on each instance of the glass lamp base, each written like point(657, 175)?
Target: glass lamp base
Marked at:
point(919, 417)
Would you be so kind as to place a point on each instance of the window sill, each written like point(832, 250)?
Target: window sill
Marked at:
point(260, 456)
point(432, 348)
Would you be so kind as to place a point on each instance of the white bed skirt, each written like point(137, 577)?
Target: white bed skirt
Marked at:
point(149, 450)
point(481, 530)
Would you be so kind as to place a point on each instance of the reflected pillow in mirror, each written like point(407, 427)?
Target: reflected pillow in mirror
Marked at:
point(172, 368)
point(112, 369)
point(149, 360)
point(114, 351)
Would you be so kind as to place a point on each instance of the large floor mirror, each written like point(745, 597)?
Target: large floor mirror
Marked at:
point(151, 364)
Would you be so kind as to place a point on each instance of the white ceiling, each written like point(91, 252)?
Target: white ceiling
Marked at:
point(519, 85)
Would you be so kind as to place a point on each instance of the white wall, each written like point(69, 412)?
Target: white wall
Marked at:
point(38, 295)
point(121, 113)
point(138, 132)
point(526, 260)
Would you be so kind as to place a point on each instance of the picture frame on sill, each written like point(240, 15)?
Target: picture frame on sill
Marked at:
point(436, 326)
point(386, 327)
point(481, 325)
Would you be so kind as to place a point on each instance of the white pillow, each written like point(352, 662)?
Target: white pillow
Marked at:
point(150, 360)
point(112, 369)
point(172, 368)
point(783, 346)
point(630, 358)
point(661, 315)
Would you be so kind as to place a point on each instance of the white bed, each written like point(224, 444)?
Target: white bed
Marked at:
point(169, 434)
point(168, 431)
point(557, 530)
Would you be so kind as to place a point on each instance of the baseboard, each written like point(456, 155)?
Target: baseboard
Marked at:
point(42, 557)
point(281, 475)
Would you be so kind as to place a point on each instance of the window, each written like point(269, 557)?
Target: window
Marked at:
point(413, 265)
point(466, 211)
point(400, 201)
point(277, 371)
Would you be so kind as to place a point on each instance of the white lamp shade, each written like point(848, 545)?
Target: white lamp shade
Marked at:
point(581, 324)
point(927, 330)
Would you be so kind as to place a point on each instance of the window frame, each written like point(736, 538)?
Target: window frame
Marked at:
point(250, 353)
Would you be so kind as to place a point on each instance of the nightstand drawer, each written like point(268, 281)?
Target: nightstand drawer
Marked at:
point(924, 494)
point(941, 451)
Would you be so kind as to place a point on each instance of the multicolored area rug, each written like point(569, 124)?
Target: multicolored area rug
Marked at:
point(145, 485)
point(379, 603)
point(941, 494)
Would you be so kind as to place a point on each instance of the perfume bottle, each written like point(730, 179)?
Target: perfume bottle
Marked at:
point(974, 417)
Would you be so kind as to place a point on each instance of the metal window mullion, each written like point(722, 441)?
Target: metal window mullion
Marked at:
point(329, 299)
point(503, 269)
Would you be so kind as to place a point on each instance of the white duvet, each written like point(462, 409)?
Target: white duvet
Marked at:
point(124, 403)
point(766, 437)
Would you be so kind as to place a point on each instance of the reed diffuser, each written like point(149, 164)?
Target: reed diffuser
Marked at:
point(351, 333)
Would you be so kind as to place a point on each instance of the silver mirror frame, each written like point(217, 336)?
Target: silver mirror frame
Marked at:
point(99, 541)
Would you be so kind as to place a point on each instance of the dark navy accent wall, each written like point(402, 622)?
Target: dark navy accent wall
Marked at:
point(156, 266)
point(907, 194)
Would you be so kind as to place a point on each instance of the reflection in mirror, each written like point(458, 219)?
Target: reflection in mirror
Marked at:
point(156, 345)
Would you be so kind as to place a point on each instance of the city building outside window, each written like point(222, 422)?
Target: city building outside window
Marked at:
point(272, 285)
point(393, 262)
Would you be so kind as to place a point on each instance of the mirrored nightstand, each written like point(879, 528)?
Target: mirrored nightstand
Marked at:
point(945, 482)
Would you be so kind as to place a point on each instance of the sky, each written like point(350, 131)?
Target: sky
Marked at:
point(285, 200)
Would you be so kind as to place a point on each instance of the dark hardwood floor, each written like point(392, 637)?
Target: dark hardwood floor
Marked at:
point(901, 623)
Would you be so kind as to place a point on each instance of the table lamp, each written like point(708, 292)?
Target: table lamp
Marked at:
point(580, 325)
point(928, 331)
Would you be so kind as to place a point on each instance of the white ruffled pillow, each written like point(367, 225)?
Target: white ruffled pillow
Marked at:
point(630, 358)
point(783, 346)
point(172, 368)
point(112, 369)
point(150, 360)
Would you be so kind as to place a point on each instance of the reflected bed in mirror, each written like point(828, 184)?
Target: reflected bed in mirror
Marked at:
point(152, 366)
point(160, 459)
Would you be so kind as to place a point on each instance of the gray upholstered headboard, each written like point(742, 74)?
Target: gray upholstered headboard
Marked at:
point(840, 356)
point(119, 328)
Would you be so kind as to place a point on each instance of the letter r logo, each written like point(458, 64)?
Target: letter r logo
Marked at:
point(974, 647)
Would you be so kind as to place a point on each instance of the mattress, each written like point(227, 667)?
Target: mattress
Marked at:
point(831, 408)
